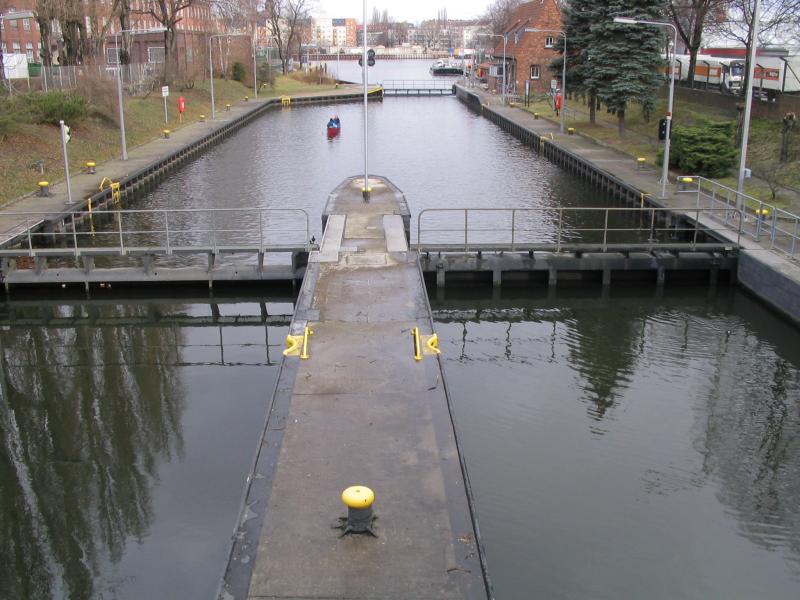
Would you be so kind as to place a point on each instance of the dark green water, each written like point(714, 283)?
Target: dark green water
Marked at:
point(635, 445)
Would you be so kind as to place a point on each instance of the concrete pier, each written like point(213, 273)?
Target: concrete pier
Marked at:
point(361, 410)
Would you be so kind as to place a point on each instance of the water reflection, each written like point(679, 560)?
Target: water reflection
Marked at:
point(98, 402)
point(682, 479)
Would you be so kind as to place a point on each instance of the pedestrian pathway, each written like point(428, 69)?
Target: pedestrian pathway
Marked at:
point(773, 276)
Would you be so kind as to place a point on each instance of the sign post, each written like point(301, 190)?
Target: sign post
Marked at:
point(65, 137)
point(165, 95)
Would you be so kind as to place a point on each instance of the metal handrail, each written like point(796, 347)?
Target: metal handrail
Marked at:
point(760, 220)
point(561, 233)
point(416, 84)
point(167, 229)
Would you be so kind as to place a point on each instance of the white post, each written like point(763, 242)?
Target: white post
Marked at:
point(211, 75)
point(66, 161)
point(166, 114)
point(747, 106)
point(366, 102)
point(564, 84)
point(255, 68)
point(121, 106)
point(504, 69)
point(665, 166)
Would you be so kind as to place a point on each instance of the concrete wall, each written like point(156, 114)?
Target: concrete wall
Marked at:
point(762, 273)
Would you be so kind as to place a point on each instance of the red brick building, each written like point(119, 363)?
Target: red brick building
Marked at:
point(529, 54)
point(20, 31)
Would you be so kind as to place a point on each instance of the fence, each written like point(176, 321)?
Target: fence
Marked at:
point(761, 221)
point(137, 78)
point(168, 232)
point(573, 229)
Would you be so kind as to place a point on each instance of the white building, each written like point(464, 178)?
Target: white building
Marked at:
point(322, 31)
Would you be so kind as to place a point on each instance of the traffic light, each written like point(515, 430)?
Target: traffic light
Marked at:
point(662, 129)
point(370, 59)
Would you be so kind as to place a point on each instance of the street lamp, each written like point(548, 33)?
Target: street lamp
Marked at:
point(211, 64)
point(119, 82)
point(364, 65)
point(665, 167)
point(563, 70)
point(504, 59)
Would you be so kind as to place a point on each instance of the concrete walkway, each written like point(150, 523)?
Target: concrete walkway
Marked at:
point(141, 157)
point(772, 276)
point(364, 412)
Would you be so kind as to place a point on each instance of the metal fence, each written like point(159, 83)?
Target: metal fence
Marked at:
point(417, 84)
point(166, 232)
point(138, 78)
point(575, 229)
point(763, 222)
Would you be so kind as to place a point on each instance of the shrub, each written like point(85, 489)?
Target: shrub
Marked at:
point(53, 107)
point(707, 149)
point(238, 71)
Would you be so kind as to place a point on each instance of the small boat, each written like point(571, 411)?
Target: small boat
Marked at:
point(443, 67)
point(333, 131)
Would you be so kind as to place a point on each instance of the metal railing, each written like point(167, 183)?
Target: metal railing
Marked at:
point(575, 229)
point(417, 84)
point(762, 222)
point(167, 232)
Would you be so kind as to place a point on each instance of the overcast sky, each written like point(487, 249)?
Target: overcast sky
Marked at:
point(402, 10)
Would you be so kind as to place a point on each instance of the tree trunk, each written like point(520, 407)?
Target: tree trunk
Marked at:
point(170, 41)
point(621, 117)
point(692, 65)
point(593, 107)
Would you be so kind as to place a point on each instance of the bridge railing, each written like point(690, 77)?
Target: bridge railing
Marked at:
point(168, 231)
point(416, 84)
point(576, 229)
point(762, 221)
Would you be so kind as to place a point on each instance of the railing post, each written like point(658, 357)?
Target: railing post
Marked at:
point(166, 231)
point(74, 234)
point(774, 228)
point(653, 226)
point(261, 230)
point(759, 218)
point(214, 230)
point(466, 225)
point(121, 239)
point(419, 228)
point(30, 236)
point(696, 228)
point(605, 231)
point(560, 228)
point(513, 226)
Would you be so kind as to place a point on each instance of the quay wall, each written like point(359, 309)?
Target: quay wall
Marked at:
point(770, 277)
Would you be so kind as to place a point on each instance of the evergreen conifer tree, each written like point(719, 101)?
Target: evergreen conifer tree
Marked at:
point(579, 15)
point(624, 62)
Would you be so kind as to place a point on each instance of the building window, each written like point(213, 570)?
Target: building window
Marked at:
point(155, 54)
point(535, 72)
point(13, 23)
point(26, 24)
point(15, 47)
point(29, 51)
point(112, 56)
point(549, 41)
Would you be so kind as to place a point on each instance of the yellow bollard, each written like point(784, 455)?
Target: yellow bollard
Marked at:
point(570, 131)
point(685, 182)
point(227, 107)
point(166, 133)
point(44, 189)
point(640, 162)
point(535, 115)
point(246, 98)
point(358, 499)
point(91, 167)
point(202, 118)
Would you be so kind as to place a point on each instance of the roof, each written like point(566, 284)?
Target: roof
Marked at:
point(530, 14)
point(17, 14)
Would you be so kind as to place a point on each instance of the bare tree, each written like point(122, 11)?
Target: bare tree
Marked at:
point(285, 19)
point(690, 17)
point(778, 19)
point(499, 13)
point(168, 13)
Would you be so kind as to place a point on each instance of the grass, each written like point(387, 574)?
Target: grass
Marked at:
point(641, 139)
point(97, 137)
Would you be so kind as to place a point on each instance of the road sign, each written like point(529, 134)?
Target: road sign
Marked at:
point(554, 84)
point(164, 91)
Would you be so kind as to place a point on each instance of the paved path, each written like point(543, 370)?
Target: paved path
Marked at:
point(782, 291)
point(364, 412)
point(140, 157)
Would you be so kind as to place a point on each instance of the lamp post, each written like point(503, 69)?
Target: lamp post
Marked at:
point(366, 190)
point(211, 64)
point(747, 106)
point(563, 70)
point(119, 83)
point(665, 168)
point(504, 59)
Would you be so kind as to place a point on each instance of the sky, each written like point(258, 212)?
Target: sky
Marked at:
point(402, 10)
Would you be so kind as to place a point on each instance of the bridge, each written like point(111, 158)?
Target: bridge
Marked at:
point(419, 87)
point(231, 246)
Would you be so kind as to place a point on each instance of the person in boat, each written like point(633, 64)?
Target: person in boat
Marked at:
point(336, 121)
point(332, 123)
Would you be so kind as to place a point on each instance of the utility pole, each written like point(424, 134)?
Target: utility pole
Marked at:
point(64, 139)
point(747, 106)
